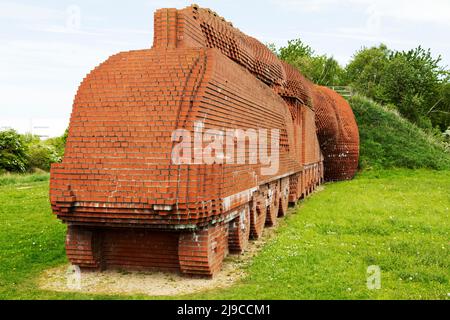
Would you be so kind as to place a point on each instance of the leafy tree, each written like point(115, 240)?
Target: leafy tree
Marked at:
point(320, 69)
point(411, 80)
point(294, 50)
point(439, 112)
point(446, 137)
point(366, 70)
point(12, 152)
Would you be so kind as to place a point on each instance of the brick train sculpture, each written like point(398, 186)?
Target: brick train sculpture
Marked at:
point(128, 204)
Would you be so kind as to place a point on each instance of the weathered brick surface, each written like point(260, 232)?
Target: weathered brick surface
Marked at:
point(239, 231)
point(201, 253)
point(258, 213)
point(118, 188)
point(273, 204)
point(83, 247)
point(284, 197)
point(140, 249)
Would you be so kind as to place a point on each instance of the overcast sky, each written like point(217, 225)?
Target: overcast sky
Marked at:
point(47, 47)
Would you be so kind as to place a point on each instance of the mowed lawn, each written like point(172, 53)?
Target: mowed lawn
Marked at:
point(397, 220)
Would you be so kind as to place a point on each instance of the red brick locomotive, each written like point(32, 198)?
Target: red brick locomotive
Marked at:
point(127, 204)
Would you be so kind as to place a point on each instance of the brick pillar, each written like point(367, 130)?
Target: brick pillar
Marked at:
point(83, 247)
point(258, 212)
point(294, 187)
point(273, 204)
point(201, 253)
point(239, 231)
point(284, 197)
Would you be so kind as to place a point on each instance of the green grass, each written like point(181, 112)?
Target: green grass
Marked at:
point(396, 219)
point(31, 239)
point(388, 140)
point(14, 178)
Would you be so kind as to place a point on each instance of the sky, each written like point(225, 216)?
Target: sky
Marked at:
point(47, 47)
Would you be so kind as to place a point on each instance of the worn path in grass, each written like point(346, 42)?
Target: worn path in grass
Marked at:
point(397, 220)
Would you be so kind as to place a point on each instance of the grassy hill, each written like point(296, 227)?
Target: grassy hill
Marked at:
point(389, 141)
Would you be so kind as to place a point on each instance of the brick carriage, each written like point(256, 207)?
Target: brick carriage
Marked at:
point(128, 205)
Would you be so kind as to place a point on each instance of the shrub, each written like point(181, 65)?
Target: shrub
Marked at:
point(42, 155)
point(57, 144)
point(12, 152)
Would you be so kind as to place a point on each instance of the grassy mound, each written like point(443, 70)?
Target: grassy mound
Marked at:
point(390, 141)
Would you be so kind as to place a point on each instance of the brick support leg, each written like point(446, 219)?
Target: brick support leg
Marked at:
point(201, 253)
point(284, 197)
point(239, 231)
point(295, 187)
point(83, 247)
point(273, 201)
point(258, 211)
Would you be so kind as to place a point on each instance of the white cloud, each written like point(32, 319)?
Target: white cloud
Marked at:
point(168, 3)
point(23, 12)
point(307, 5)
point(433, 11)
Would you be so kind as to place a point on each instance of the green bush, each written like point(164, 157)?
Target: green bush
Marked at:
point(42, 155)
point(26, 153)
point(57, 144)
point(12, 152)
point(387, 140)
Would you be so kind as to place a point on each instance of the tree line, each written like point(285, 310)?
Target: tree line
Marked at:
point(413, 82)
